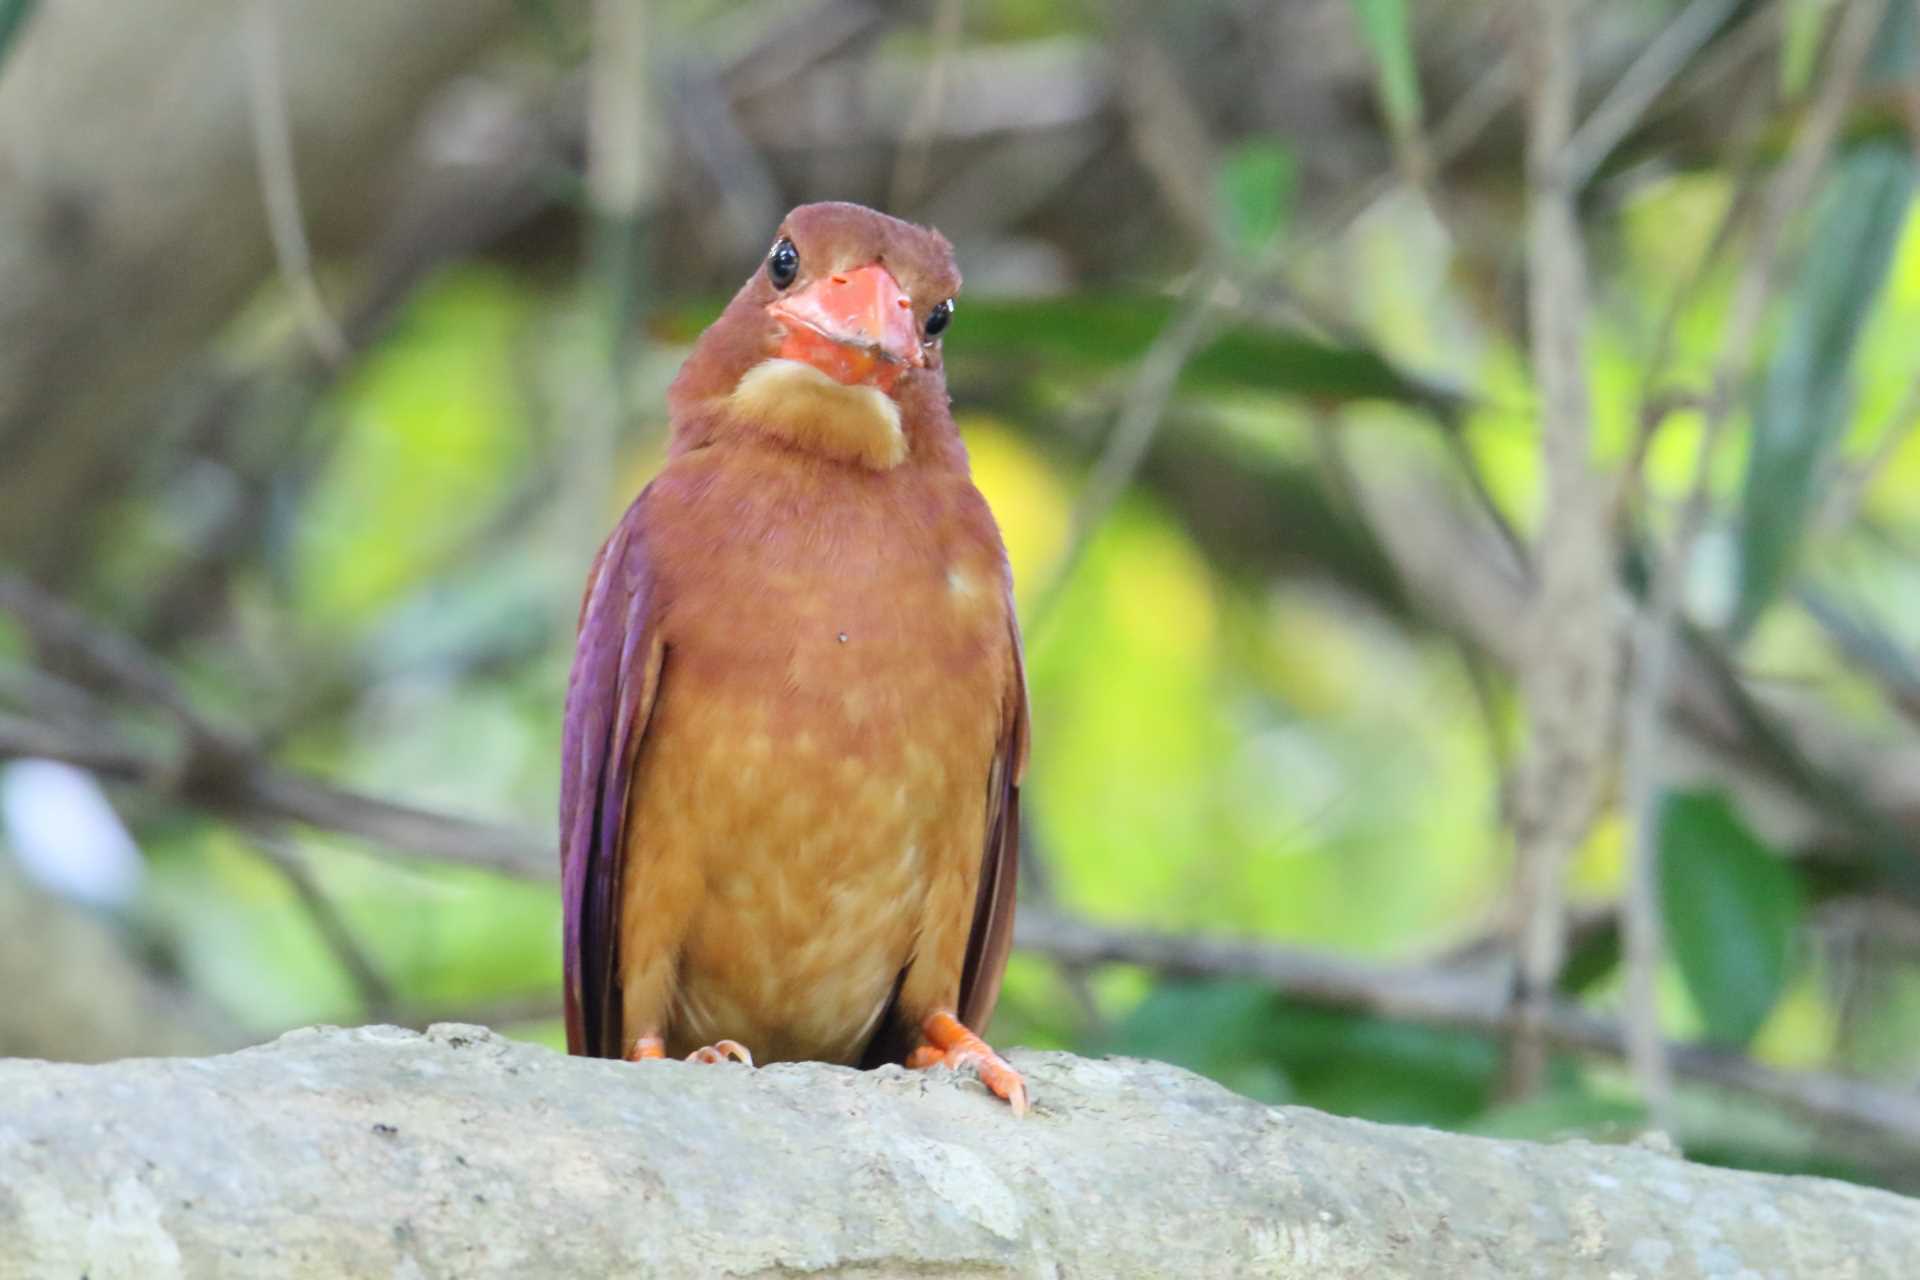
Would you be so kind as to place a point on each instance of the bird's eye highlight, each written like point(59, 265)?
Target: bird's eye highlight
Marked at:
point(783, 264)
point(939, 318)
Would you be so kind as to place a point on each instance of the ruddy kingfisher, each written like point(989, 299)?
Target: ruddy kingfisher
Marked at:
point(796, 724)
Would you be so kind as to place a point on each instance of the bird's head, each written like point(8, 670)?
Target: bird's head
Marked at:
point(833, 345)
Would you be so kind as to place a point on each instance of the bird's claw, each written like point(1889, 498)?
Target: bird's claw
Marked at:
point(951, 1044)
point(722, 1051)
point(652, 1048)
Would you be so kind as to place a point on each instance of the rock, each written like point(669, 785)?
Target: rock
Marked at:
point(382, 1152)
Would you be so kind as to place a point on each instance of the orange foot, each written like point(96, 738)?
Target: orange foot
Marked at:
point(950, 1044)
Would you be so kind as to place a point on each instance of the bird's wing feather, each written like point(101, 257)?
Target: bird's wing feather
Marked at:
point(992, 935)
point(610, 694)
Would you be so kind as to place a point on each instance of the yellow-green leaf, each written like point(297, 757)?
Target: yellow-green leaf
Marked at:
point(1389, 39)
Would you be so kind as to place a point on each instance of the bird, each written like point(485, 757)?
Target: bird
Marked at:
point(796, 721)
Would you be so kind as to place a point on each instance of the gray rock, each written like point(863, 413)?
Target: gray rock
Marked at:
point(381, 1152)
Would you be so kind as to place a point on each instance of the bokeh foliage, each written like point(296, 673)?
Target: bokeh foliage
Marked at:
point(1265, 737)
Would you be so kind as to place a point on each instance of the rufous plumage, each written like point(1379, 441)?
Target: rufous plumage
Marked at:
point(797, 723)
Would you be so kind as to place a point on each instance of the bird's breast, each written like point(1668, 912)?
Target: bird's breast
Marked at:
point(820, 749)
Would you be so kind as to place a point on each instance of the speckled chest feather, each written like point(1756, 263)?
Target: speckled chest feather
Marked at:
point(810, 794)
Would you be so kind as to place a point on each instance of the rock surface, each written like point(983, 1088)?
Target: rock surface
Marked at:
point(381, 1152)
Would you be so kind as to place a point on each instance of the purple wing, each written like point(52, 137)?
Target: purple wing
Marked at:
point(992, 935)
point(616, 671)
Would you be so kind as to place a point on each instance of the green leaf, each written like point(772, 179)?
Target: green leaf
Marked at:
point(1262, 1044)
point(1097, 333)
point(560, 37)
point(1257, 184)
point(996, 338)
point(1731, 907)
point(13, 20)
point(1384, 29)
point(1799, 44)
point(1805, 392)
point(1395, 1072)
point(1215, 1028)
point(1591, 963)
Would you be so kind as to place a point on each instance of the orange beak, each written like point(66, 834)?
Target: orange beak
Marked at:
point(853, 326)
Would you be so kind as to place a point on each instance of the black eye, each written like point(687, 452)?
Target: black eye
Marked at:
point(783, 264)
point(939, 318)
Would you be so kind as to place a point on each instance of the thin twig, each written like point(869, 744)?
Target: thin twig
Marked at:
point(279, 185)
point(1753, 39)
point(1167, 135)
point(790, 39)
point(1849, 490)
point(1641, 912)
point(620, 168)
point(46, 697)
point(109, 659)
point(452, 207)
point(1866, 649)
point(916, 139)
point(1144, 409)
point(1654, 630)
point(1657, 399)
point(86, 746)
point(1464, 122)
point(376, 994)
point(250, 788)
point(1643, 82)
point(1859, 23)
point(744, 183)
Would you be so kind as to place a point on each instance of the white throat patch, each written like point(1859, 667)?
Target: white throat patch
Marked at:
point(796, 402)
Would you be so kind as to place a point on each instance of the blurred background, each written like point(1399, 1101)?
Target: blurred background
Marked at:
point(1457, 458)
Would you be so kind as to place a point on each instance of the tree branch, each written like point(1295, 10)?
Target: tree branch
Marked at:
point(262, 791)
point(1469, 998)
point(108, 659)
point(1569, 668)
